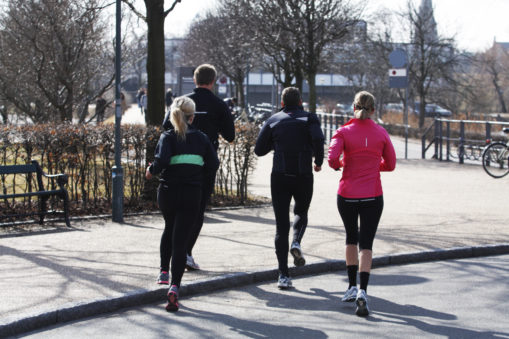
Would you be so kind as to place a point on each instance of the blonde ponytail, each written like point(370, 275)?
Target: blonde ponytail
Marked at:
point(361, 114)
point(364, 105)
point(181, 110)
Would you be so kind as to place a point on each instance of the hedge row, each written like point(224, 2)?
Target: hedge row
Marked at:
point(86, 154)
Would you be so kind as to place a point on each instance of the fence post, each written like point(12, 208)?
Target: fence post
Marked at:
point(436, 139)
point(448, 131)
point(462, 142)
point(330, 126)
point(488, 131)
point(423, 147)
point(441, 136)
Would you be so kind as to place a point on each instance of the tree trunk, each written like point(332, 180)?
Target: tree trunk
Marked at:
point(312, 92)
point(500, 94)
point(422, 112)
point(155, 62)
point(299, 80)
point(240, 92)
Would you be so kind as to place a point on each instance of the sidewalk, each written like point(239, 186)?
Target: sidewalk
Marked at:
point(100, 265)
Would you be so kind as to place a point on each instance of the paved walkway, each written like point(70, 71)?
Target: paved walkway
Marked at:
point(428, 206)
point(445, 299)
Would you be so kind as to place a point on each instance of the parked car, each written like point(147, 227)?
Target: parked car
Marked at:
point(344, 108)
point(433, 110)
point(394, 107)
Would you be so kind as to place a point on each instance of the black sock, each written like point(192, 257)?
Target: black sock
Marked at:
point(364, 280)
point(352, 274)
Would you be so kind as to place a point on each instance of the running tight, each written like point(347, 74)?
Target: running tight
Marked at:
point(283, 188)
point(180, 205)
point(368, 211)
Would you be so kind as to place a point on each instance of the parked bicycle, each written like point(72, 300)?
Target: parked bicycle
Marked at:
point(495, 158)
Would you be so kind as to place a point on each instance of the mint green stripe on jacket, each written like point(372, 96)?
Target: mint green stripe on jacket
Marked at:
point(191, 159)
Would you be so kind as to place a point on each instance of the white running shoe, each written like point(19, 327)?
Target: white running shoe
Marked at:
point(362, 304)
point(191, 265)
point(284, 282)
point(350, 294)
point(296, 252)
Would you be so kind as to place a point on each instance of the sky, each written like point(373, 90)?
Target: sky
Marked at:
point(474, 23)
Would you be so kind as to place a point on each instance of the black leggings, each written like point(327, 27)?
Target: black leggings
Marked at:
point(369, 211)
point(283, 188)
point(205, 196)
point(180, 205)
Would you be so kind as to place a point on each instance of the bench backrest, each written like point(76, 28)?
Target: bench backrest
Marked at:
point(25, 169)
point(17, 169)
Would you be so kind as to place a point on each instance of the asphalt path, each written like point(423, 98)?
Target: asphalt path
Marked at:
point(464, 298)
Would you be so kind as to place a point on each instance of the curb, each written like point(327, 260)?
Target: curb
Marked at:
point(90, 308)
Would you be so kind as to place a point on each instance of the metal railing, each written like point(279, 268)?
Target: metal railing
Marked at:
point(330, 122)
point(458, 144)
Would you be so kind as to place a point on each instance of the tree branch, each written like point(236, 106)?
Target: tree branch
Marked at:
point(134, 10)
point(171, 8)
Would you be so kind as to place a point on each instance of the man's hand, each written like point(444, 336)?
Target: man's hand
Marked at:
point(148, 175)
point(318, 168)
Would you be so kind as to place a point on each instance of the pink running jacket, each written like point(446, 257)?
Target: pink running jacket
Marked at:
point(367, 150)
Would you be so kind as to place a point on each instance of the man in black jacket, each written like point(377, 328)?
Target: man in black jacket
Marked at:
point(295, 136)
point(212, 117)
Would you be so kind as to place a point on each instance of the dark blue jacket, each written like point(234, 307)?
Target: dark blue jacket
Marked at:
point(193, 161)
point(295, 136)
point(212, 116)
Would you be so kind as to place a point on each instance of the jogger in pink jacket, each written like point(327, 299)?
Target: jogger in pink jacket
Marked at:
point(366, 149)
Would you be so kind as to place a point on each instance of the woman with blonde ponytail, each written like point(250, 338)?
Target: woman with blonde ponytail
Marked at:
point(364, 105)
point(366, 149)
point(187, 162)
point(181, 114)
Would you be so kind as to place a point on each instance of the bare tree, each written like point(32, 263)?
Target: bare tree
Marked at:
point(227, 48)
point(432, 58)
point(155, 17)
point(493, 64)
point(294, 34)
point(53, 57)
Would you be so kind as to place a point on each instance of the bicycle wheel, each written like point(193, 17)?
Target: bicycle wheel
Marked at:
point(495, 160)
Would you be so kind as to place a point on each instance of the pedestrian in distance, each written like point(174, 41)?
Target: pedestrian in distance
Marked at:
point(168, 98)
point(366, 150)
point(100, 108)
point(123, 103)
point(186, 162)
point(139, 95)
point(213, 118)
point(295, 136)
point(144, 102)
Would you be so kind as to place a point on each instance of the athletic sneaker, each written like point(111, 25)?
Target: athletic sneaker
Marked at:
point(164, 278)
point(350, 294)
point(284, 282)
point(296, 251)
point(173, 295)
point(362, 304)
point(191, 265)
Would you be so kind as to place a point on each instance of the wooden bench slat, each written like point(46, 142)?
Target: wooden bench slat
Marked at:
point(18, 169)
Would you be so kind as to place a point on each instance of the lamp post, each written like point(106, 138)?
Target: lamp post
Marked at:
point(117, 172)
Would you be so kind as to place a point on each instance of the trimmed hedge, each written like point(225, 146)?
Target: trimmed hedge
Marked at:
point(86, 154)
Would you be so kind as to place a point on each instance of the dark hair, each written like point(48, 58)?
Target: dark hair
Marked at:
point(291, 96)
point(205, 74)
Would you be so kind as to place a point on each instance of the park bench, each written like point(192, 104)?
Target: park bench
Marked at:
point(40, 192)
